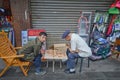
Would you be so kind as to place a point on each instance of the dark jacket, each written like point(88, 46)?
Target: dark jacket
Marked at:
point(31, 50)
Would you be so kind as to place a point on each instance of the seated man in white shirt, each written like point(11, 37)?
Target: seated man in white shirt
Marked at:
point(78, 48)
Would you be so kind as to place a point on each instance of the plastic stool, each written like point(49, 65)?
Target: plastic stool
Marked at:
point(81, 63)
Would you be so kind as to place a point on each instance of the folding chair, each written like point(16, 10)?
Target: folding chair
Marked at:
point(9, 55)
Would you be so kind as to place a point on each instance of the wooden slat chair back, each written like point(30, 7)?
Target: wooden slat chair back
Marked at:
point(114, 50)
point(117, 42)
point(9, 55)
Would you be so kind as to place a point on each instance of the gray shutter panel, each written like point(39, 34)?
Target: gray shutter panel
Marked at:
point(55, 16)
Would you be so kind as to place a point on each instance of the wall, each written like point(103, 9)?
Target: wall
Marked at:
point(21, 18)
point(1, 3)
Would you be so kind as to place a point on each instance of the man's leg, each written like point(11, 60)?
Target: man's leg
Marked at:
point(67, 52)
point(71, 61)
point(65, 60)
point(37, 62)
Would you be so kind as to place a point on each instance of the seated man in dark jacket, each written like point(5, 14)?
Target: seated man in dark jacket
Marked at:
point(33, 52)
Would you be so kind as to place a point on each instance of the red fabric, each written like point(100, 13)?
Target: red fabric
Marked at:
point(110, 25)
point(114, 3)
point(117, 4)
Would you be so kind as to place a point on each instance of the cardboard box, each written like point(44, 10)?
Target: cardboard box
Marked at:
point(59, 52)
point(60, 48)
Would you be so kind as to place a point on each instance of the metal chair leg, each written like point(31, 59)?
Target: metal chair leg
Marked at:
point(81, 64)
point(88, 63)
point(76, 60)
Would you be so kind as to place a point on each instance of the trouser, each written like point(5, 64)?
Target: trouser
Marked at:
point(37, 62)
point(71, 59)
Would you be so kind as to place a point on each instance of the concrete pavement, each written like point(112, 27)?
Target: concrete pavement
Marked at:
point(107, 69)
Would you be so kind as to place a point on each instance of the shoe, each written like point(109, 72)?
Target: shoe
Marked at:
point(42, 72)
point(68, 71)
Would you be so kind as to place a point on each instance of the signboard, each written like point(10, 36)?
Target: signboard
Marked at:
point(24, 37)
point(32, 33)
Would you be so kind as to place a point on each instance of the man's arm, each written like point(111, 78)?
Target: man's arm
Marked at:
point(73, 46)
point(73, 51)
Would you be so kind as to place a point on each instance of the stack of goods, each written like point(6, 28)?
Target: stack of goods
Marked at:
point(6, 25)
point(99, 45)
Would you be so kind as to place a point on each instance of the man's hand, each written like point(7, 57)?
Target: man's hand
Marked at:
point(73, 51)
point(68, 45)
point(42, 51)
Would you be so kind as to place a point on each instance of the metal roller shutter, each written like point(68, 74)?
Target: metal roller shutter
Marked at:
point(55, 16)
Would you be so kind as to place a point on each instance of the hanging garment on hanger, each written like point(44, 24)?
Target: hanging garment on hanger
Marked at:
point(82, 25)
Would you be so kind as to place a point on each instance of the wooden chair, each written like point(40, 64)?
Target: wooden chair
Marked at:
point(9, 55)
point(114, 51)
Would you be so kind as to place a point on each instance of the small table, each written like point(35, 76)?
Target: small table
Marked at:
point(54, 55)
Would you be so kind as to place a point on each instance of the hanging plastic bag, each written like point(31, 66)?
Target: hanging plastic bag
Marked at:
point(117, 26)
point(113, 10)
point(96, 33)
